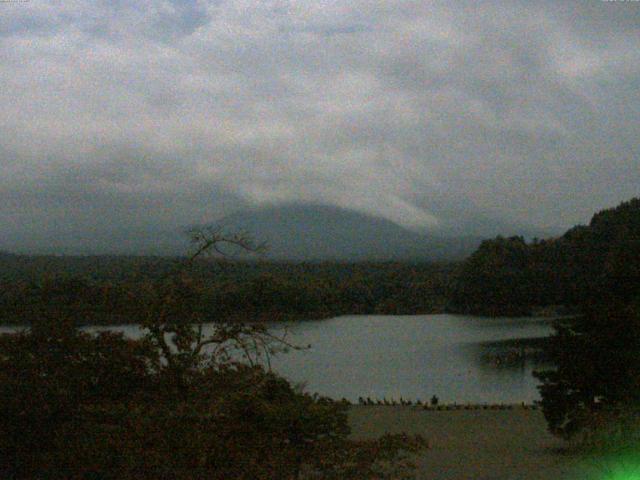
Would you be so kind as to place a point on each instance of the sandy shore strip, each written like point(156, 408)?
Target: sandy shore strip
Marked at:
point(480, 444)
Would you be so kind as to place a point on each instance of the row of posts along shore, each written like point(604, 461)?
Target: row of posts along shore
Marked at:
point(434, 404)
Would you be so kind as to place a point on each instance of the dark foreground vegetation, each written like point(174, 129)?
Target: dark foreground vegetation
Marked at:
point(76, 406)
point(593, 393)
point(176, 404)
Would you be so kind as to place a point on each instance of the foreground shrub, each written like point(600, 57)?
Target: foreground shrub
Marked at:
point(175, 404)
point(76, 405)
point(593, 394)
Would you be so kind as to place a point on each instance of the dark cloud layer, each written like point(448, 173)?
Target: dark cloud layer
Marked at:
point(128, 118)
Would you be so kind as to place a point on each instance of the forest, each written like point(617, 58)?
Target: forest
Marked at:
point(588, 264)
point(107, 290)
point(504, 276)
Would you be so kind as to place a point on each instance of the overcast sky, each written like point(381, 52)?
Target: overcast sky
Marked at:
point(121, 118)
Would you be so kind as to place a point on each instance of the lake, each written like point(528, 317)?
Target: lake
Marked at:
point(414, 357)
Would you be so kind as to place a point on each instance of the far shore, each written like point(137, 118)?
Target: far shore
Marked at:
point(480, 444)
point(118, 320)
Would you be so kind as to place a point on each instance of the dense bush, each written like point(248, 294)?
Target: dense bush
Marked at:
point(76, 405)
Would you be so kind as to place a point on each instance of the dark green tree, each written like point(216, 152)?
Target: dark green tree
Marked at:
point(597, 370)
point(594, 389)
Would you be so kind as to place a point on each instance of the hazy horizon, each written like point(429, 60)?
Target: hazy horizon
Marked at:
point(123, 122)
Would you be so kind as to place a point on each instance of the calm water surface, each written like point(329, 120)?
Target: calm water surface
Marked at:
point(414, 357)
point(411, 356)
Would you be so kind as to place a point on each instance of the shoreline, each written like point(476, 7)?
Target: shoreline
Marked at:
point(445, 407)
point(118, 320)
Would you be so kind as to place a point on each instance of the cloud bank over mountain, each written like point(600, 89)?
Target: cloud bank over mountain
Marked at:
point(124, 119)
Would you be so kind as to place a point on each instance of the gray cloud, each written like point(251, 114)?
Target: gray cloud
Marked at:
point(146, 116)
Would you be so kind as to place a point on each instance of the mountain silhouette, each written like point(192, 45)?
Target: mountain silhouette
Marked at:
point(317, 232)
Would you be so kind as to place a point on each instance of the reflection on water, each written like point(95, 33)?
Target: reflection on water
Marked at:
point(414, 357)
point(513, 354)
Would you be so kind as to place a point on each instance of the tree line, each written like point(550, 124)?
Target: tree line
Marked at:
point(99, 290)
point(587, 264)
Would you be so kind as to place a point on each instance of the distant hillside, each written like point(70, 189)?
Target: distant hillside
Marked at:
point(296, 232)
point(312, 232)
point(599, 262)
